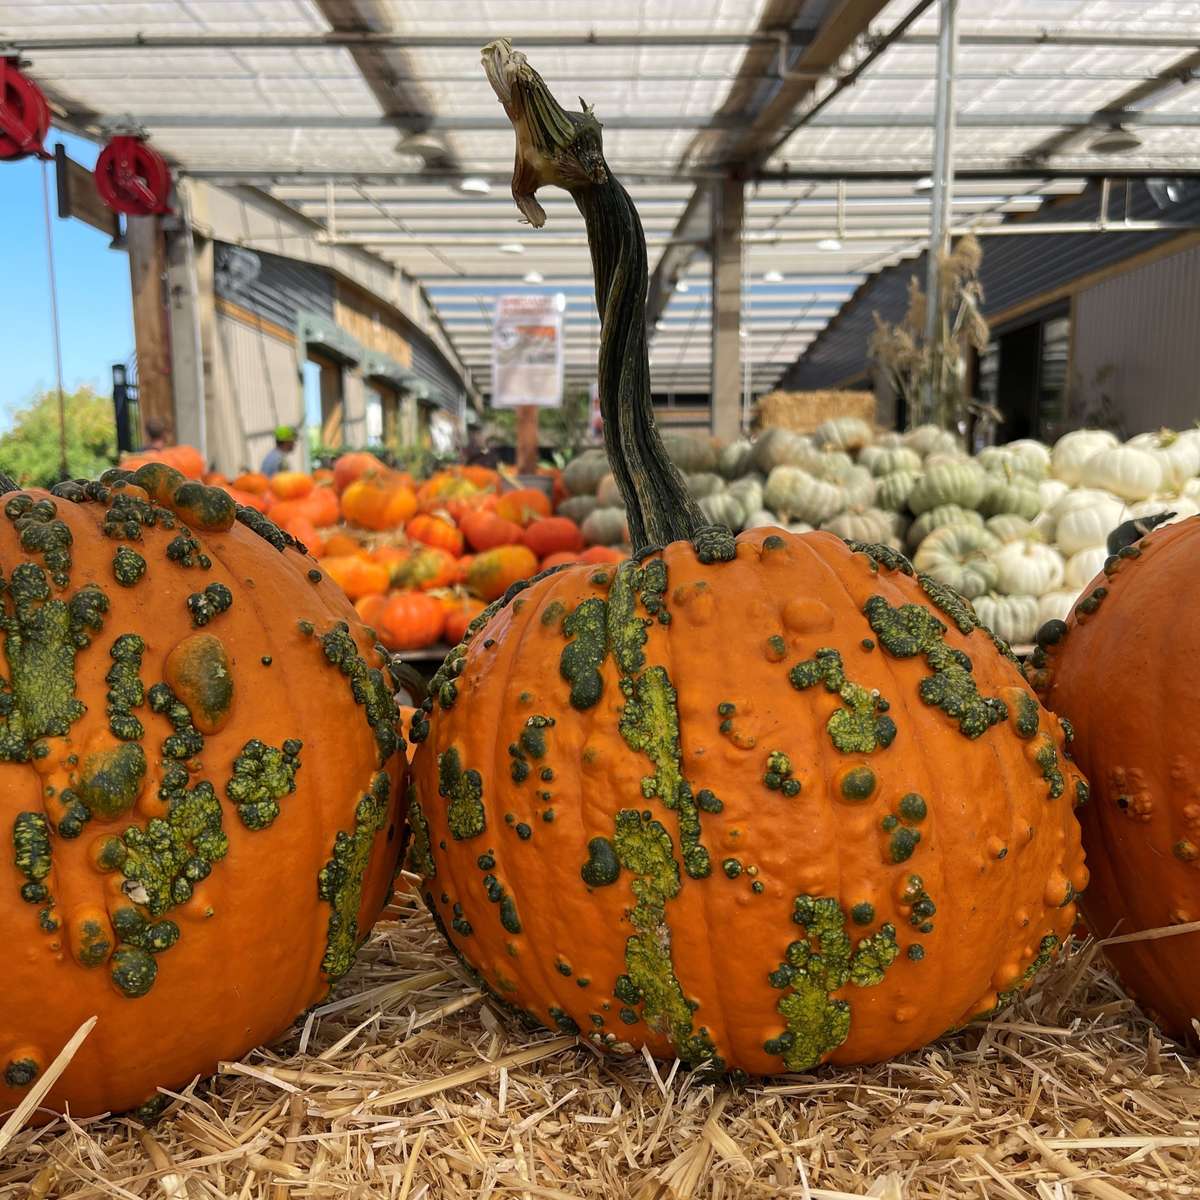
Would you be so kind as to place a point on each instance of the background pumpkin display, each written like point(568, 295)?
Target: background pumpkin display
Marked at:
point(202, 767)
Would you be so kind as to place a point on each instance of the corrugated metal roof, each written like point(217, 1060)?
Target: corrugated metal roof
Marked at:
point(303, 119)
point(1014, 271)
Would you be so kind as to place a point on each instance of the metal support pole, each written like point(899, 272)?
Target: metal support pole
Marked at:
point(729, 207)
point(943, 187)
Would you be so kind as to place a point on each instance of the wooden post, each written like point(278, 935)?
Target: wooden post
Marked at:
point(527, 439)
point(729, 207)
point(151, 330)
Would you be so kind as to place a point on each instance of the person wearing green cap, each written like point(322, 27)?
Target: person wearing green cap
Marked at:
point(276, 459)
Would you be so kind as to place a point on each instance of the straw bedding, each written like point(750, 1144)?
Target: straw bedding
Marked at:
point(407, 1086)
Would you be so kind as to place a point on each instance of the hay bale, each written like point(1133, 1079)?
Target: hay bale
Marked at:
point(802, 412)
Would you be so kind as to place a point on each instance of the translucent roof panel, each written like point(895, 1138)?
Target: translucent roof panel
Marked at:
point(254, 93)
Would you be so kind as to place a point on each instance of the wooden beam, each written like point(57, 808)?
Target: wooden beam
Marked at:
point(527, 440)
point(151, 328)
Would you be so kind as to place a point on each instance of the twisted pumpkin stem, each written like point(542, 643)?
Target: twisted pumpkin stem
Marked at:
point(564, 148)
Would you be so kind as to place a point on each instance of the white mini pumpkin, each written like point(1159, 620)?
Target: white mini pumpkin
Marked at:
point(1012, 618)
point(931, 439)
point(793, 492)
point(962, 557)
point(721, 508)
point(1056, 605)
point(892, 491)
point(1008, 527)
point(1073, 449)
point(1051, 491)
point(884, 462)
point(1179, 455)
point(950, 483)
point(1084, 566)
point(1011, 494)
point(781, 447)
point(1028, 569)
point(1182, 506)
point(1126, 471)
point(1086, 518)
point(844, 433)
point(937, 518)
point(869, 525)
point(734, 460)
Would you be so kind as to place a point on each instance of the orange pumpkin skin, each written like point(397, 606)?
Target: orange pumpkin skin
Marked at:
point(601, 554)
point(185, 459)
point(342, 544)
point(187, 965)
point(434, 531)
point(356, 576)
point(252, 481)
point(486, 530)
point(493, 572)
point(561, 559)
point(291, 485)
point(1124, 673)
point(378, 502)
point(523, 505)
point(710, 892)
point(459, 615)
point(349, 467)
point(411, 620)
point(428, 568)
point(553, 535)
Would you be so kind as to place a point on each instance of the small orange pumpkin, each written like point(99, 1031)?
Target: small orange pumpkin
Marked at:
point(305, 532)
point(486, 530)
point(342, 543)
point(357, 577)
point(349, 467)
point(429, 567)
point(291, 485)
point(552, 535)
point(562, 558)
point(462, 611)
point(432, 530)
point(378, 502)
point(411, 620)
point(523, 505)
point(252, 481)
point(493, 572)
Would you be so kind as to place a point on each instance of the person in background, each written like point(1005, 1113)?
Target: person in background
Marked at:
point(478, 451)
point(276, 459)
point(156, 434)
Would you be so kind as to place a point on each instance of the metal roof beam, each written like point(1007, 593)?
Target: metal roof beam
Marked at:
point(1099, 39)
point(843, 21)
point(346, 36)
point(415, 122)
point(1001, 120)
point(386, 70)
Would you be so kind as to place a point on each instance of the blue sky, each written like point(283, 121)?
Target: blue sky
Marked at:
point(93, 289)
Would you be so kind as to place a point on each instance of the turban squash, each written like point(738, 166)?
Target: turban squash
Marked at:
point(1122, 670)
point(199, 782)
point(760, 802)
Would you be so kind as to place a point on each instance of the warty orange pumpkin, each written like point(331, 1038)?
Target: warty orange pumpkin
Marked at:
point(201, 773)
point(1123, 669)
point(759, 803)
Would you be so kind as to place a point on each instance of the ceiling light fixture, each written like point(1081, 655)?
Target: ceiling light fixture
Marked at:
point(829, 244)
point(511, 248)
point(534, 277)
point(681, 286)
point(772, 277)
point(924, 184)
point(474, 185)
point(1115, 140)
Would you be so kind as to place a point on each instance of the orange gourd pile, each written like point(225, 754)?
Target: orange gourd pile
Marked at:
point(464, 535)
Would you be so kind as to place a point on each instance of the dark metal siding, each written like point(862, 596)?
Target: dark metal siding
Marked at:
point(1143, 324)
point(444, 386)
point(270, 286)
point(1015, 270)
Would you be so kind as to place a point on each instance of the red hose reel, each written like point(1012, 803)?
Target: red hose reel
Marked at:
point(24, 114)
point(133, 178)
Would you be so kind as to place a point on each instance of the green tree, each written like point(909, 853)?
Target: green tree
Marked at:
point(30, 451)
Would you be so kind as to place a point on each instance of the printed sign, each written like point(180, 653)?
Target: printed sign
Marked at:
point(527, 352)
